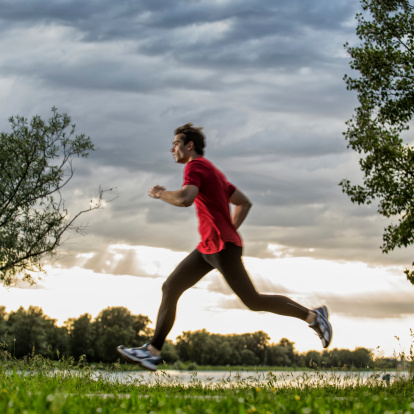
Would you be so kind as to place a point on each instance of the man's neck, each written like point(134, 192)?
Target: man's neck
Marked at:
point(193, 157)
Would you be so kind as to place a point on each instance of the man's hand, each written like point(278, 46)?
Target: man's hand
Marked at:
point(156, 191)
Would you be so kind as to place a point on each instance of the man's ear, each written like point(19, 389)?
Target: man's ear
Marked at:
point(190, 145)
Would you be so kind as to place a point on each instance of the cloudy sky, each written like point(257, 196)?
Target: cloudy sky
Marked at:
point(264, 79)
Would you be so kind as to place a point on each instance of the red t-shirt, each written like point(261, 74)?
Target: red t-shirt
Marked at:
point(212, 205)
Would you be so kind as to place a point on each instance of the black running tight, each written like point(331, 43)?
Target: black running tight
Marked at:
point(229, 263)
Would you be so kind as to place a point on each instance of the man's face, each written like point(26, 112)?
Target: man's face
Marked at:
point(180, 151)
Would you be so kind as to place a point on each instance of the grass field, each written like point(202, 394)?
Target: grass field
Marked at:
point(45, 388)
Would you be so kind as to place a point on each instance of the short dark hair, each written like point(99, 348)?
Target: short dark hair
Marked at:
point(189, 133)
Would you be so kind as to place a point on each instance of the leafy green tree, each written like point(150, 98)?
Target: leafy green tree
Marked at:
point(282, 354)
point(225, 354)
point(58, 341)
point(3, 326)
point(82, 337)
point(261, 340)
point(196, 347)
point(386, 363)
point(256, 342)
point(209, 354)
point(31, 331)
point(312, 359)
point(234, 358)
point(248, 357)
point(142, 332)
point(205, 348)
point(36, 162)
point(169, 353)
point(385, 90)
point(3, 319)
point(117, 326)
point(363, 358)
point(345, 358)
point(182, 346)
point(113, 327)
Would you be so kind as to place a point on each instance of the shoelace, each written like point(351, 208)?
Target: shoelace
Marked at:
point(320, 335)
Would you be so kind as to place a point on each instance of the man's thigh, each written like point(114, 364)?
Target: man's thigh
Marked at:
point(192, 269)
point(230, 264)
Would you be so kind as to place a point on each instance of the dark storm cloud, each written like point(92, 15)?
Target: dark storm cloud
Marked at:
point(263, 78)
point(248, 38)
point(262, 18)
point(265, 34)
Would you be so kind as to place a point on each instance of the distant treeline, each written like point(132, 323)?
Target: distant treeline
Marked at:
point(28, 332)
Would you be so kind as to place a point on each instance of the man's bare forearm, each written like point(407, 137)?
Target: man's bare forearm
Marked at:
point(180, 198)
point(242, 205)
point(175, 198)
point(239, 214)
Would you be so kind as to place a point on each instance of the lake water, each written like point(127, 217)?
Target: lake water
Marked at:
point(252, 378)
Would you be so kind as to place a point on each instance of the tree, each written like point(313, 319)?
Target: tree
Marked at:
point(31, 331)
point(142, 332)
point(248, 357)
point(115, 326)
point(35, 164)
point(283, 354)
point(385, 90)
point(82, 337)
point(169, 353)
point(363, 357)
point(312, 359)
point(3, 326)
point(196, 347)
point(344, 358)
point(205, 348)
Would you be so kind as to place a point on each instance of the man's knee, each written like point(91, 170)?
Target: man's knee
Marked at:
point(171, 290)
point(167, 288)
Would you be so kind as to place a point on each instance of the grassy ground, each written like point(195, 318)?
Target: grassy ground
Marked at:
point(41, 389)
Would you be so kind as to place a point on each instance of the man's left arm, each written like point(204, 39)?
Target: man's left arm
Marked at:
point(181, 198)
point(242, 206)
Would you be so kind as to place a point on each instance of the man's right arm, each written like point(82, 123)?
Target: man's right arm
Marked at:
point(242, 206)
point(181, 198)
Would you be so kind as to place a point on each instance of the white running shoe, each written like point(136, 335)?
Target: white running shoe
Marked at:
point(141, 356)
point(323, 310)
point(322, 326)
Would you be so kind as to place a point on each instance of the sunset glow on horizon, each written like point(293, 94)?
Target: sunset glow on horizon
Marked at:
point(70, 292)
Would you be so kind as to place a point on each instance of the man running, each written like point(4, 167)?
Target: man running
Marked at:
point(220, 248)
